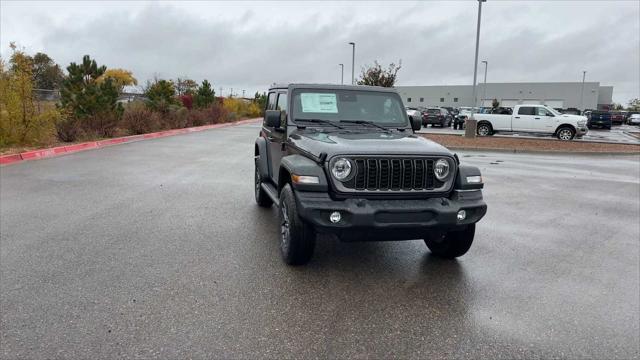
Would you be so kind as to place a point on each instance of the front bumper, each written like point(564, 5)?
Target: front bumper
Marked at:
point(389, 219)
point(581, 130)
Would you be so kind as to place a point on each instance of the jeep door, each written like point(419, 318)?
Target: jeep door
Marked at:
point(277, 137)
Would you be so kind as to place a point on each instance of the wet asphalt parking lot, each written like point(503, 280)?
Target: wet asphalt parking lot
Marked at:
point(157, 249)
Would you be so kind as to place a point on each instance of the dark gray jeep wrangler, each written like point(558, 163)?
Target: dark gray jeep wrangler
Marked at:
point(344, 160)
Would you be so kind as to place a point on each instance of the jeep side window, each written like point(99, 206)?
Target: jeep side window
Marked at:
point(271, 101)
point(527, 110)
point(282, 106)
point(282, 102)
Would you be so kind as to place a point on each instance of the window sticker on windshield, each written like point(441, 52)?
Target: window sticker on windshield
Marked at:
point(319, 103)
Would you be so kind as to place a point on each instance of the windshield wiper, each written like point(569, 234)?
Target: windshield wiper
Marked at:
point(365, 122)
point(320, 121)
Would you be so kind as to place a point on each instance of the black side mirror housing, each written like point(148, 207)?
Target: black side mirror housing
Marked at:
point(272, 118)
point(416, 124)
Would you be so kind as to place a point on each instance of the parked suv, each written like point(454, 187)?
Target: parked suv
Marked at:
point(436, 116)
point(344, 160)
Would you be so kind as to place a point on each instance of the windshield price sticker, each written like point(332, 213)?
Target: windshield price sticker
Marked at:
point(319, 103)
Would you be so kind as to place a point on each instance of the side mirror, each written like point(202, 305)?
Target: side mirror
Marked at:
point(416, 124)
point(272, 118)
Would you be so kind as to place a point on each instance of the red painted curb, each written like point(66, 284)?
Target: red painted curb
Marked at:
point(50, 152)
point(10, 159)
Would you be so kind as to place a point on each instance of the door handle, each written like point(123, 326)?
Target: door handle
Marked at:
point(537, 118)
point(517, 117)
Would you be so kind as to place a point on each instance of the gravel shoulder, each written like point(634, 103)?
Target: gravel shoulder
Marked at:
point(524, 144)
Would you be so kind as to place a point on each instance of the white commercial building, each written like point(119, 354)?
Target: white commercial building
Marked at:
point(554, 94)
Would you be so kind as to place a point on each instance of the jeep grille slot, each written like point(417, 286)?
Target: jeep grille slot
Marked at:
point(391, 174)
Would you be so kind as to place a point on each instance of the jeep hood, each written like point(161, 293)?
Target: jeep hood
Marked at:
point(364, 143)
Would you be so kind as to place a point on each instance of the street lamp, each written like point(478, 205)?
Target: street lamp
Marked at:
point(475, 62)
point(341, 74)
point(484, 88)
point(584, 74)
point(353, 62)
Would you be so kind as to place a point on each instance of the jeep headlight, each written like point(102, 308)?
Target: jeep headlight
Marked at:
point(341, 169)
point(582, 122)
point(441, 169)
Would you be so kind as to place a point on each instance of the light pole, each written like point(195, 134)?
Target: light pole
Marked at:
point(353, 62)
point(584, 74)
point(484, 88)
point(475, 61)
point(243, 90)
point(341, 74)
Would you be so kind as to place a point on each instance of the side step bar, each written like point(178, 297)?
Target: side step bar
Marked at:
point(271, 192)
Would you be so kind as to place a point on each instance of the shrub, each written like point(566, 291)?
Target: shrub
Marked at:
point(239, 108)
point(137, 119)
point(175, 118)
point(187, 101)
point(218, 114)
point(68, 129)
point(199, 117)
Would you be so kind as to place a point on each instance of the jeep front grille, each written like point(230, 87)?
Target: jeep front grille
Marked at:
point(391, 174)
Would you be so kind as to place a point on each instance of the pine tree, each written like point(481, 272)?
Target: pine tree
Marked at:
point(205, 96)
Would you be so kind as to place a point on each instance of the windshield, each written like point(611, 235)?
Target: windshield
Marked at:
point(382, 108)
point(433, 111)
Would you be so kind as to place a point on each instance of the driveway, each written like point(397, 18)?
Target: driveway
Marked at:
point(156, 249)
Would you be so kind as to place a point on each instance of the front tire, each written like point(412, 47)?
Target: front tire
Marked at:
point(297, 238)
point(452, 244)
point(566, 133)
point(262, 199)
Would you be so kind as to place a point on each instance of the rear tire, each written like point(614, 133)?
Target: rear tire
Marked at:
point(262, 199)
point(297, 238)
point(452, 244)
point(566, 133)
point(484, 129)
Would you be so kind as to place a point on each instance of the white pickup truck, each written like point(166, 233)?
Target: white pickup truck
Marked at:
point(534, 119)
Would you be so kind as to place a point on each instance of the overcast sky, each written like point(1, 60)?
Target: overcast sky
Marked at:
point(249, 45)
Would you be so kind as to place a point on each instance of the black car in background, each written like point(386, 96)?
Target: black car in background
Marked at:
point(571, 111)
point(599, 119)
point(436, 116)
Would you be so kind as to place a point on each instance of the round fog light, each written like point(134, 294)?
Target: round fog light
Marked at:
point(335, 217)
point(462, 215)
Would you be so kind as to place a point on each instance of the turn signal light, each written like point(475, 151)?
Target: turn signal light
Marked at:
point(302, 179)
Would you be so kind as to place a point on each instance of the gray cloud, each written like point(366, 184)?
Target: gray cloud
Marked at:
point(248, 47)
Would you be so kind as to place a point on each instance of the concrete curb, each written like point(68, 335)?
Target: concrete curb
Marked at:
point(60, 150)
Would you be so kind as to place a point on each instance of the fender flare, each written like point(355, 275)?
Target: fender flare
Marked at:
point(261, 157)
point(461, 178)
point(301, 165)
